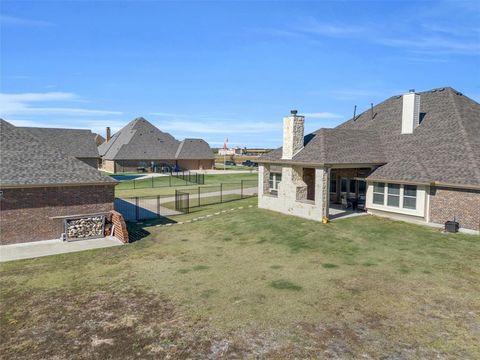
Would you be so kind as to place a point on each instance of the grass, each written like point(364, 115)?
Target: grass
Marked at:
point(162, 186)
point(251, 283)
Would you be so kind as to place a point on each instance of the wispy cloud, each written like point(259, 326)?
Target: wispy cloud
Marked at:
point(21, 104)
point(427, 37)
point(323, 115)
point(219, 127)
point(14, 20)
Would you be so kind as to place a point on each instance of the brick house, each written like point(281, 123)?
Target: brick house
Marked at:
point(414, 157)
point(78, 143)
point(41, 185)
point(142, 146)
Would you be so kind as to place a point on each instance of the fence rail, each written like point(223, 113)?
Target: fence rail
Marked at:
point(182, 201)
point(182, 178)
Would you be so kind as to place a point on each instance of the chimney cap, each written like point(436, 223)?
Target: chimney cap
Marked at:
point(293, 112)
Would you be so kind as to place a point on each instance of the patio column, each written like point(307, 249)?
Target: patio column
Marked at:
point(322, 190)
point(263, 179)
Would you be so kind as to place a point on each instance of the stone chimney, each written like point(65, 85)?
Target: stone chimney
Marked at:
point(293, 127)
point(410, 112)
point(108, 134)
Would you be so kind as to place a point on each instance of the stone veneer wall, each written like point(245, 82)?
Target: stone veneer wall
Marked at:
point(292, 193)
point(463, 204)
point(29, 214)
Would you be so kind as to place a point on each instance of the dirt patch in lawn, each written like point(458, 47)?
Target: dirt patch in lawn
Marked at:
point(102, 324)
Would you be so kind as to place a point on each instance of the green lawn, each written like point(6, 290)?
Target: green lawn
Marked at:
point(251, 283)
point(161, 184)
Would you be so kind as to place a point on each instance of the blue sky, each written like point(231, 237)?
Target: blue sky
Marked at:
point(227, 69)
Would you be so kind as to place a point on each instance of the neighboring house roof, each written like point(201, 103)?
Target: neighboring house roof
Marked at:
point(141, 140)
point(194, 149)
point(76, 142)
point(445, 148)
point(99, 139)
point(26, 160)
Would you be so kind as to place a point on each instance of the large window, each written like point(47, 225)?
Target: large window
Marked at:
point(275, 178)
point(379, 193)
point(393, 198)
point(343, 185)
point(400, 196)
point(333, 185)
point(410, 197)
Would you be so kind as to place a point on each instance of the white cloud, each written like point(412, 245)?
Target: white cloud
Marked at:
point(20, 104)
point(323, 115)
point(220, 127)
point(14, 20)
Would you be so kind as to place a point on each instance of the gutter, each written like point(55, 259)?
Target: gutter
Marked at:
point(32, 186)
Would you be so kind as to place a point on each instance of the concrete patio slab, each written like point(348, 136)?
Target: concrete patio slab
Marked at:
point(53, 247)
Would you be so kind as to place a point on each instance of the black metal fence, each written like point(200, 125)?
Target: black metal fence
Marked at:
point(182, 178)
point(183, 201)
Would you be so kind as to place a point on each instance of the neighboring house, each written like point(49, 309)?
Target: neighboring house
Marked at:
point(41, 186)
point(142, 146)
point(413, 157)
point(99, 139)
point(75, 142)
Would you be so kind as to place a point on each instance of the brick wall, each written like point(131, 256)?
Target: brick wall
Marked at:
point(463, 204)
point(196, 164)
point(26, 214)
point(120, 231)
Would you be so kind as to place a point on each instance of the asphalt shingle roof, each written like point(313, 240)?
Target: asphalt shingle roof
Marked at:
point(76, 142)
point(194, 149)
point(140, 139)
point(26, 160)
point(445, 148)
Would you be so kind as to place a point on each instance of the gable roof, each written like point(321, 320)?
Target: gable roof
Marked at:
point(194, 149)
point(140, 140)
point(445, 148)
point(26, 160)
point(75, 142)
point(99, 139)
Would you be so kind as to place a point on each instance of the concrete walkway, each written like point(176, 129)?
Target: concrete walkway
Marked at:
point(52, 247)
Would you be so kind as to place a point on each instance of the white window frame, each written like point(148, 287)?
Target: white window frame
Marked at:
point(273, 178)
point(376, 192)
point(409, 197)
point(401, 195)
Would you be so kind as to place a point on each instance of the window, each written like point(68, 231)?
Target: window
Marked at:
point(275, 178)
point(410, 197)
point(333, 185)
point(378, 193)
point(353, 186)
point(393, 198)
point(343, 185)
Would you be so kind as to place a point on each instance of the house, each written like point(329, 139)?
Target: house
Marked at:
point(42, 187)
point(142, 146)
point(414, 157)
point(99, 139)
point(75, 142)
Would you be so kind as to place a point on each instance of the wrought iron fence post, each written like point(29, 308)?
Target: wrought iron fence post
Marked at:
point(134, 183)
point(152, 181)
point(221, 193)
point(199, 195)
point(241, 189)
point(158, 205)
point(137, 215)
point(170, 180)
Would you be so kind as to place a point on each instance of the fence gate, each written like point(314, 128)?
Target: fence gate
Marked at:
point(182, 201)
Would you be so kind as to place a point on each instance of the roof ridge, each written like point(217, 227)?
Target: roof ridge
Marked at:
point(465, 136)
point(179, 149)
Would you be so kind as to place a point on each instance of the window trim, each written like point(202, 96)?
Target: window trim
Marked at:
point(401, 196)
point(273, 178)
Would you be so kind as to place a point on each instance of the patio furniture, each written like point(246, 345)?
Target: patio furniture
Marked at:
point(345, 203)
point(361, 202)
